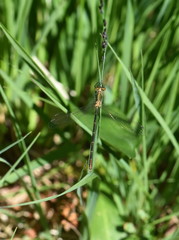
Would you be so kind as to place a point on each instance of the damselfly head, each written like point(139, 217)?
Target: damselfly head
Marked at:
point(99, 85)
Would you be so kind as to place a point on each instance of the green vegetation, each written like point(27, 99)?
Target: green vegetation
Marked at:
point(133, 192)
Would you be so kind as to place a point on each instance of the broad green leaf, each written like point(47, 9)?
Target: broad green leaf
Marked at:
point(105, 220)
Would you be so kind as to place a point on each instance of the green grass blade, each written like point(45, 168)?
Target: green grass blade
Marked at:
point(127, 51)
point(149, 105)
point(29, 60)
point(13, 144)
point(2, 160)
point(88, 178)
point(13, 235)
point(13, 85)
point(6, 176)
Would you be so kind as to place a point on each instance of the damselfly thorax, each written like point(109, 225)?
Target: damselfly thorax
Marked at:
point(99, 89)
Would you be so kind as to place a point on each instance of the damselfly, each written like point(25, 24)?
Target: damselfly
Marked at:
point(99, 89)
point(116, 131)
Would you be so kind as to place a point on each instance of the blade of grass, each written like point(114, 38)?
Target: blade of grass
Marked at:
point(29, 60)
point(144, 145)
point(88, 178)
point(127, 51)
point(40, 162)
point(22, 147)
point(13, 235)
point(13, 85)
point(6, 176)
point(156, 65)
point(160, 97)
point(149, 105)
point(13, 144)
point(56, 16)
point(22, 16)
point(2, 160)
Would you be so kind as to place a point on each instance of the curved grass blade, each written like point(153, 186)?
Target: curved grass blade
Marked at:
point(34, 64)
point(88, 178)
